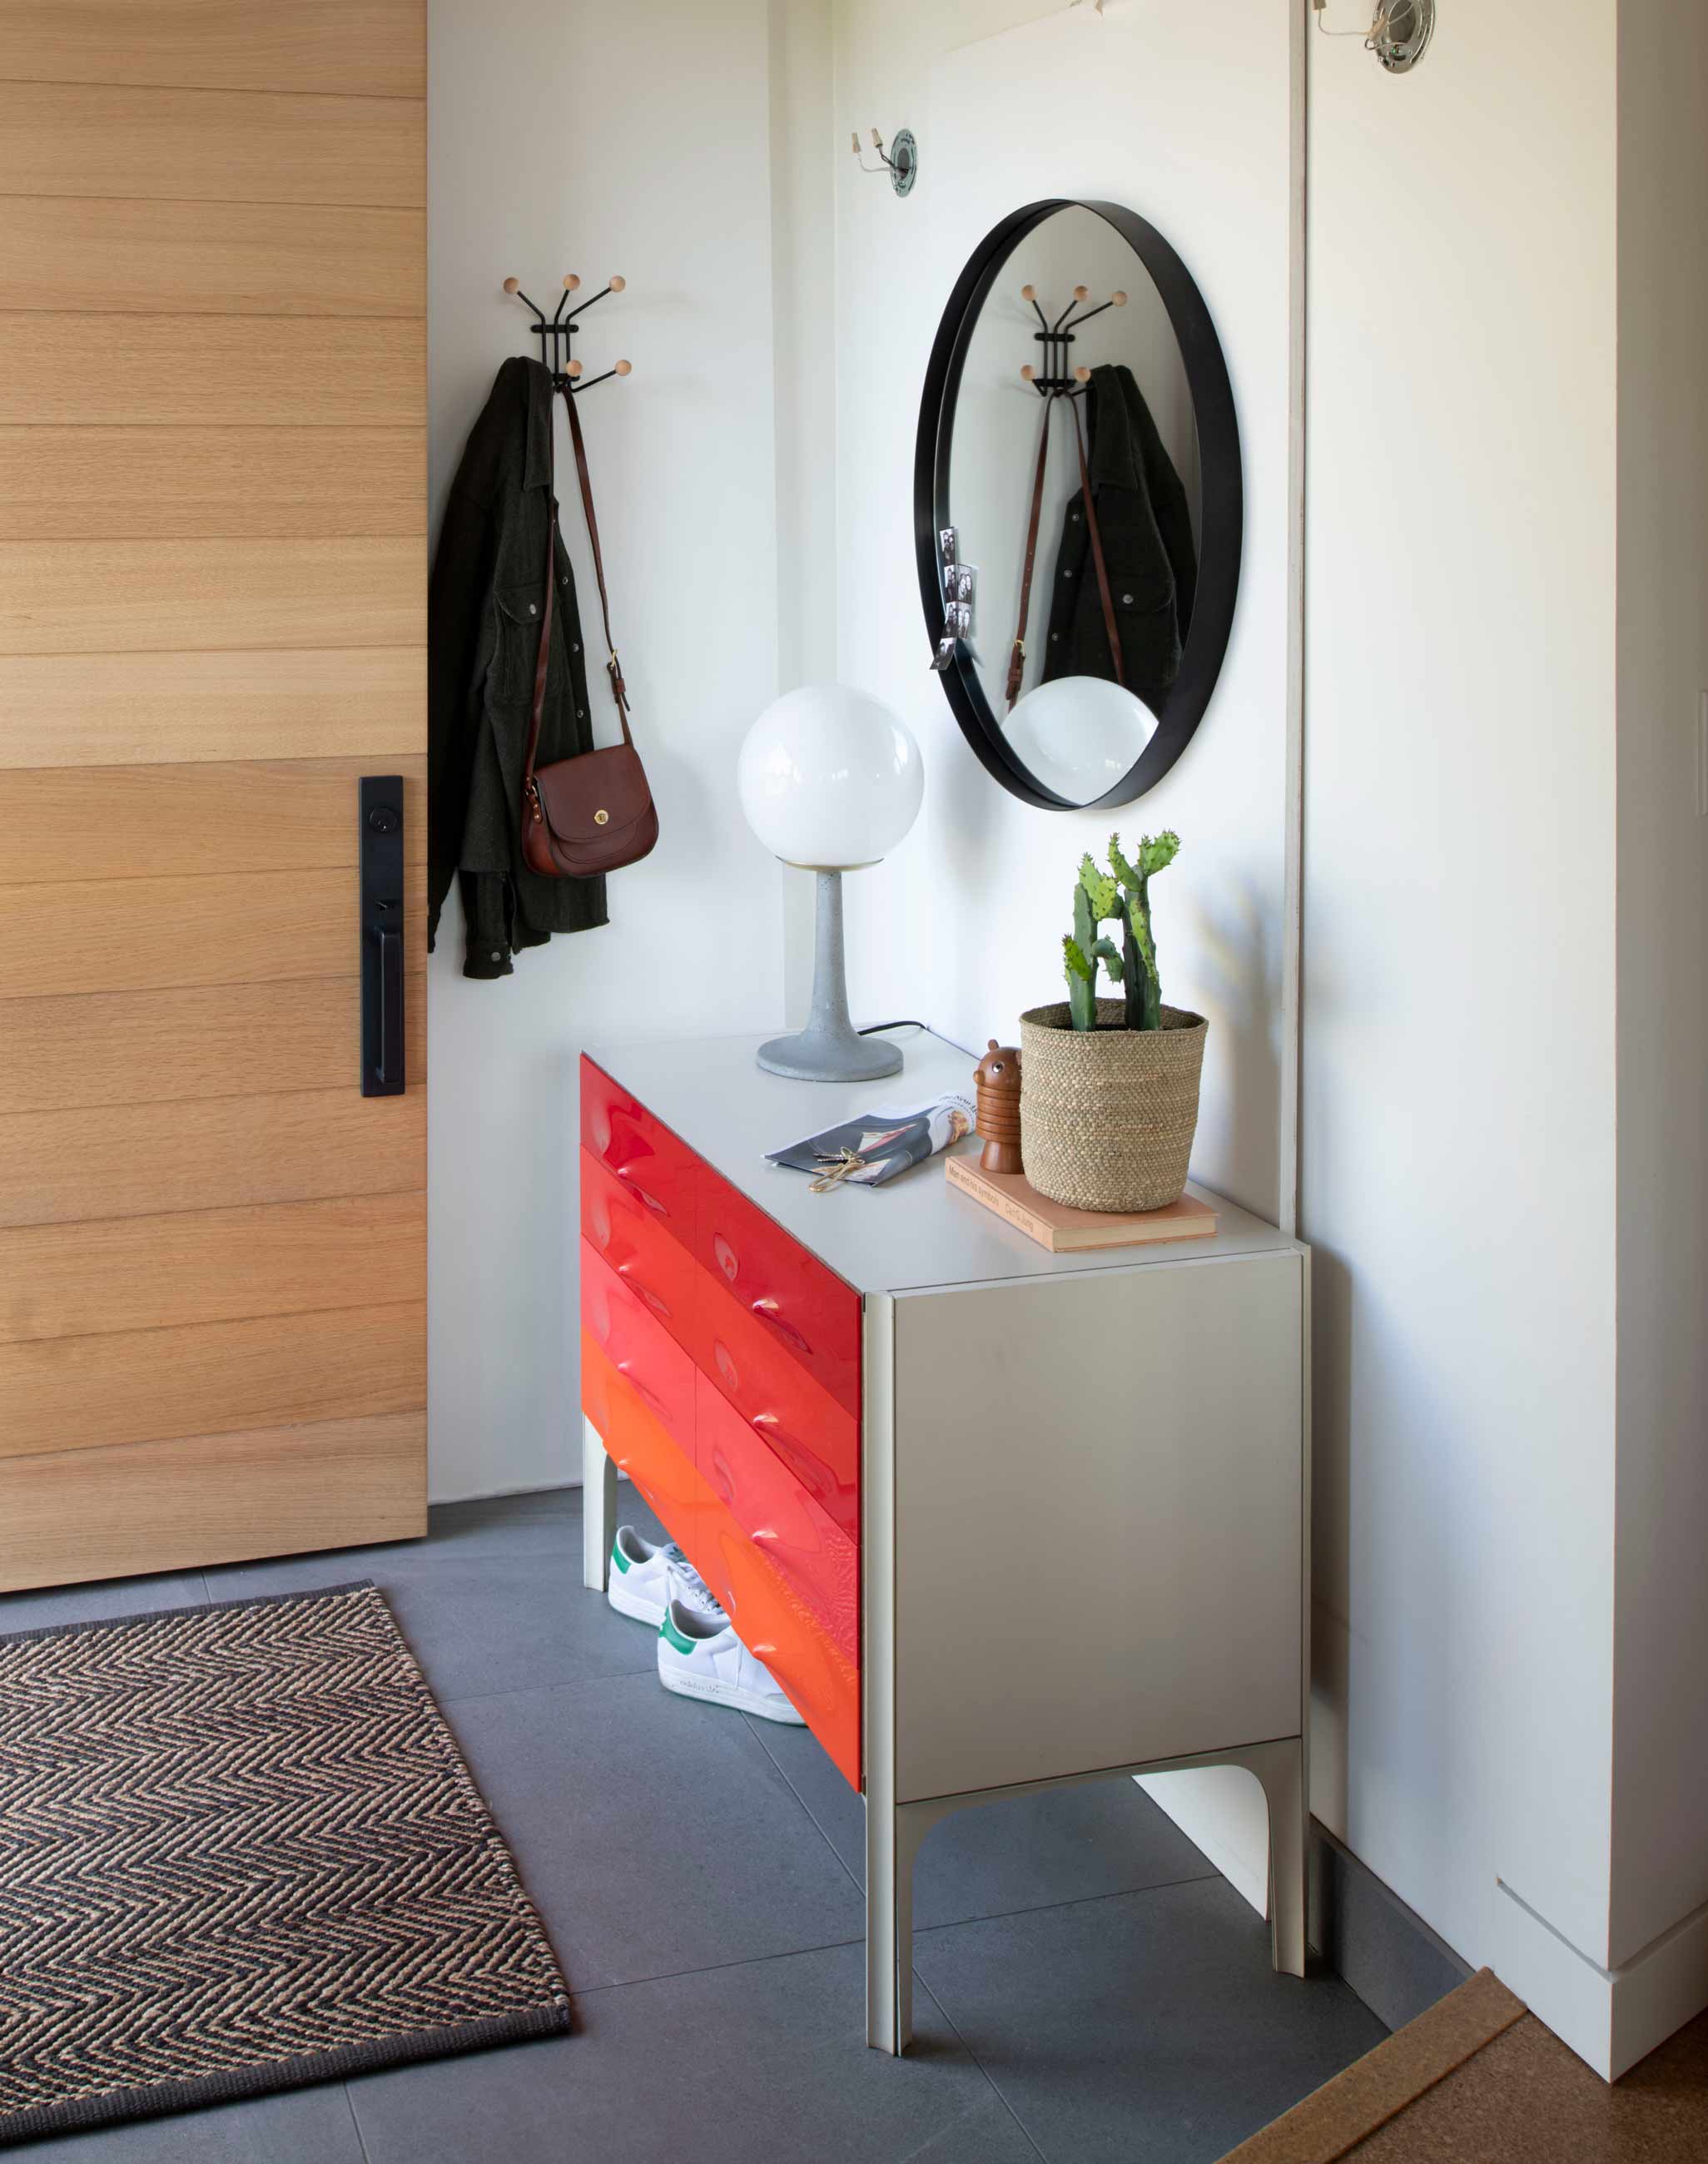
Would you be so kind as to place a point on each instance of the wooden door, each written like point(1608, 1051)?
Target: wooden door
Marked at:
point(212, 407)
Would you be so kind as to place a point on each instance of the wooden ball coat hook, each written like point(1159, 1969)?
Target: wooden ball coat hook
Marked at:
point(618, 284)
point(625, 368)
point(512, 284)
point(572, 284)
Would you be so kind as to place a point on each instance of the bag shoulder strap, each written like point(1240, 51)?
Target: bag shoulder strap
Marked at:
point(618, 691)
point(613, 668)
point(1091, 528)
point(1016, 657)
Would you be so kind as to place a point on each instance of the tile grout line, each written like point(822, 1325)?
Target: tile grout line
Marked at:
point(714, 1969)
point(1078, 1901)
point(782, 1775)
point(955, 2028)
point(355, 2122)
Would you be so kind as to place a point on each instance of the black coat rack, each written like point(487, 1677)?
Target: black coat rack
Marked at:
point(556, 332)
point(1056, 382)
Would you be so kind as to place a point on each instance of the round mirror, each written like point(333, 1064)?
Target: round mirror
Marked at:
point(1078, 504)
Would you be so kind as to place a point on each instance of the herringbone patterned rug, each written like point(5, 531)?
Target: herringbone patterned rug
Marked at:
point(239, 1851)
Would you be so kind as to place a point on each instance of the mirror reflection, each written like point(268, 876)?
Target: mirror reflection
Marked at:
point(1075, 490)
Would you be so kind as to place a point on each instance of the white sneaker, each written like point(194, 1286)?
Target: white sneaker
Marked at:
point(645, 1575)
point(700, 1657)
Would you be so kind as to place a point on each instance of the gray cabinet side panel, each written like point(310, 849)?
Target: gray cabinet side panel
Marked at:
point(1098, 1521)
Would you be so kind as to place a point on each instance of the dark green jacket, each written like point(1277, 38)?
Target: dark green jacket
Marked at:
point(483, 644)
point(1145, 524)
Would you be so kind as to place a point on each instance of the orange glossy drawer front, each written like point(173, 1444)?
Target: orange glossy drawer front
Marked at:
point(777, 1515)
point(814, 1435)
point(643, 1448)
point(625, 1234)
point(639, 1348)
point(775, 1623)
point(805, 1310)
point(660, 1171)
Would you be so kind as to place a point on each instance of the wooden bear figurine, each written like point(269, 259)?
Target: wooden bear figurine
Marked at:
point(997, 1080)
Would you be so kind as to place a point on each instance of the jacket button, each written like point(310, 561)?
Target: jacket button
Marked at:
point(533, 608)
point(1127, 600)
point(575, 649)
point(1067, 574)
point(494, 956)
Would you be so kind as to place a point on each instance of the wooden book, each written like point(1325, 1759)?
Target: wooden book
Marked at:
point(1064, 1231)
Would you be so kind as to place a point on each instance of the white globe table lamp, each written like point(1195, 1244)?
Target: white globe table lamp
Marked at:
point(830, 781)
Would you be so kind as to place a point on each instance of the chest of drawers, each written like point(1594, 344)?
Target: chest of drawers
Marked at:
point(996, 1520)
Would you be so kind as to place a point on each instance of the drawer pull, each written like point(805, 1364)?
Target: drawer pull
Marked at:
point(641, 1194)
point(766, 1310)
point(640, 1289)
point(625, 1369)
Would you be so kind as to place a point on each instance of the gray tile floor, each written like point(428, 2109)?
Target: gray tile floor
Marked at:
point(1087, 1987)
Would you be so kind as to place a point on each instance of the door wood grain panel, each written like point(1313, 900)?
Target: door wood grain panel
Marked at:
point(211, 1499)
point(199, 371)
point(248, 928)
point(198, 1266)
point(226, 1041)
point(174, 822)
point(371, 48)
point(61, 709)
point(195, 484)
point(152, 1385)
point(139, 1160)
point(210, 259)
point(107, 596)
point(213, 623)
point(65, 138)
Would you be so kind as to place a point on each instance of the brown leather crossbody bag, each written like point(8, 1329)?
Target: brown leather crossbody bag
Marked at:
point(592, 813)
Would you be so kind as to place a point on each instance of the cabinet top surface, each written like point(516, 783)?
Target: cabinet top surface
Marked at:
point(914, 1233)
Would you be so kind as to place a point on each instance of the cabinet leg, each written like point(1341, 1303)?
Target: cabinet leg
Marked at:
point(598, 1509)
point(893, 1836)
point(1280, 1766)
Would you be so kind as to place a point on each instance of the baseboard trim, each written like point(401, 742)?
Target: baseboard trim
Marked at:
point(1391, 1958)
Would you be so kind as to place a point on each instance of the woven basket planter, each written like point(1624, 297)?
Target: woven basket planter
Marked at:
point(1107, 1115)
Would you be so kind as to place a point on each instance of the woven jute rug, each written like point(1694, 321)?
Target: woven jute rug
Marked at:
point(239, 1851)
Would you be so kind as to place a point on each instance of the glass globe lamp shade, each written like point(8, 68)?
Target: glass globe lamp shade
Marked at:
point(829, 778)
point(1079, 735)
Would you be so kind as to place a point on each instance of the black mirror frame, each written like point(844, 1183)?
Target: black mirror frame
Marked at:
point(1222, 518)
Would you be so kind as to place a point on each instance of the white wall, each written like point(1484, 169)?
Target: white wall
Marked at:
point(963, 925)
point(566, 135)
point(1457, 1092)
point(1660, 1764)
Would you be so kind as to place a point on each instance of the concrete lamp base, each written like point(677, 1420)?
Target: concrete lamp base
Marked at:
point(829, 1049)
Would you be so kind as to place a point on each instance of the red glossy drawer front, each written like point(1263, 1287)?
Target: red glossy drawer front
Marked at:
point(816, 1560)
point(661, 1172)
point(626, 1234)
point(816, 1437)
point(643, 1447)
point(805, 1310)
point(638, 1346)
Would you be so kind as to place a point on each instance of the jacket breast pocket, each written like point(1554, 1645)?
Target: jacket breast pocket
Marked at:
point(517, 657)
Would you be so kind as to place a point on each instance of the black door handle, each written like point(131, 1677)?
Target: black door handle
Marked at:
point(381, 856)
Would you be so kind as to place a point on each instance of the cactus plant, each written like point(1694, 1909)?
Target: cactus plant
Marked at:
point(1123, 893)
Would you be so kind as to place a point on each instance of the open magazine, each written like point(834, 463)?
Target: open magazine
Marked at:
point(874, 1146)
